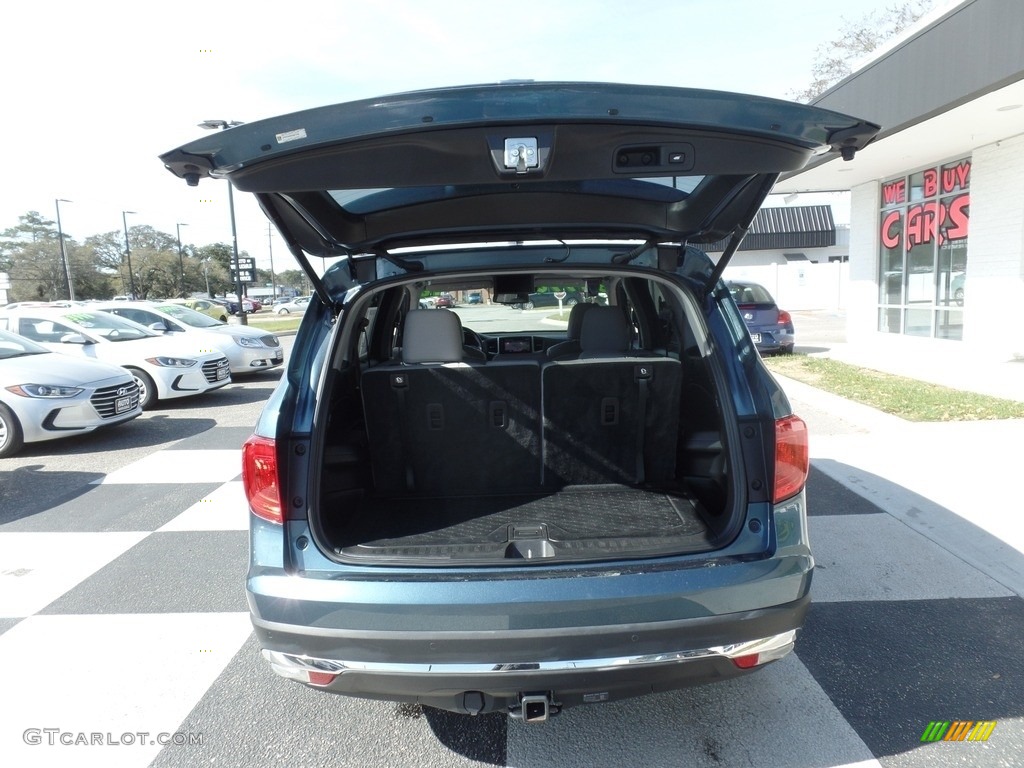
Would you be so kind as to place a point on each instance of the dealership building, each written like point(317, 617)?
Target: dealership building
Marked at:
point(936, 222)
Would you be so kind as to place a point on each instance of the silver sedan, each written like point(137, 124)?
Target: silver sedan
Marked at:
point(45, 395)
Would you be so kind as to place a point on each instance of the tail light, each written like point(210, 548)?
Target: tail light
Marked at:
point(785, 318)
point(259, 477)
point(792, 457)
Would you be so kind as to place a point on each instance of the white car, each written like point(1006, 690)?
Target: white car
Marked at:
point(297, 306)
point(162, 368)
point(248, 349)
point(44, 396)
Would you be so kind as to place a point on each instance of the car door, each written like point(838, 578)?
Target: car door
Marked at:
point(58, 336)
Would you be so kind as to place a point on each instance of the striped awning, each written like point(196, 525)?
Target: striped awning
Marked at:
point(796, 226)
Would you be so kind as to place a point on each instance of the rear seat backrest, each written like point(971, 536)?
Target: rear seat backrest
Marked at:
point(610, 420)
point(610, 416)
point(440, 425)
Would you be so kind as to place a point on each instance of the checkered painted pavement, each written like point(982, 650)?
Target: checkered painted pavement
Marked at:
point(122, 611)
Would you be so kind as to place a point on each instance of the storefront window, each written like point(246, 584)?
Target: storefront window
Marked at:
point(923, 251)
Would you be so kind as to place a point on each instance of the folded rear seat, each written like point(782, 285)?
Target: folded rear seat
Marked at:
point(610, 415)
point(445, 426)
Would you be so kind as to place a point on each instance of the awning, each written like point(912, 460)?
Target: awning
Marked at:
point(797, 226)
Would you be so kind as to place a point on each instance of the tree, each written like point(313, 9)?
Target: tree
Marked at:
point(294, 279)
point(30, 253)
point(834, 60)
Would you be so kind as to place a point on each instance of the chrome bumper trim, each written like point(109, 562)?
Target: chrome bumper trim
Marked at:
point(293, 666)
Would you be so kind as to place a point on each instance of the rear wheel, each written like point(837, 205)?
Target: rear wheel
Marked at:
point(528, 305)
point(11, 437)
point(147, 389)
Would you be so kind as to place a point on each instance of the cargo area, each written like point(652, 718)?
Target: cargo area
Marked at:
point(436, 456)
point(576, 523)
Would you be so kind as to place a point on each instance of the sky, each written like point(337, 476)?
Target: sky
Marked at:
point(94, 91)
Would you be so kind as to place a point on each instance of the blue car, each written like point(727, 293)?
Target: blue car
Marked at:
point(460, 509)
point(771, 329)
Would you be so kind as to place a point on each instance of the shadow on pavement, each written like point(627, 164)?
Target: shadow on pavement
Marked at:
point(892, 666)
point(481, 738)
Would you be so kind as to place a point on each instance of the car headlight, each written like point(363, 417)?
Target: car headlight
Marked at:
point(247, 341)
point(44, 390)
point(171, 362)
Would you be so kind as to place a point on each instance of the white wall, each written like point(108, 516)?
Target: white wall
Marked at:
point(994, 287)
point(801, 285)
point(862, 298)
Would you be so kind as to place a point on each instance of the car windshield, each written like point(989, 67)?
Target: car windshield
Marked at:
point(107, 326)
point(12, 345)
point(188, 316)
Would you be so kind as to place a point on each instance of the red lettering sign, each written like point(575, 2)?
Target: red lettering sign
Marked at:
point(922, 222)
point(894, 192)
point(959, 215)
point(929, 222)
point(931, 182)
point(891, 229)
point(955, 177)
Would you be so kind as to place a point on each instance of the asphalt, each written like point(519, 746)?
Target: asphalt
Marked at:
point(953, 482)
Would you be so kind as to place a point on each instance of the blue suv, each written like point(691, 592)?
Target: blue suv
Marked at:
point(482, 509)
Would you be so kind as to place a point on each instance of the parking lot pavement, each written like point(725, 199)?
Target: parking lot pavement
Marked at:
point(122, 611)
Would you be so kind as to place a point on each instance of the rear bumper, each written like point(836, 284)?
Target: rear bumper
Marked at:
point(606, 663)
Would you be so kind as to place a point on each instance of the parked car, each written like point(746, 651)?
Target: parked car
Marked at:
point(247, 305)
point(248, 349)
point(771, 329)
point(444, 301)
point(162, 368)
point(45, 396)
point(523, 534)
point(214, 309)
point(296, 306)
point(549, 299)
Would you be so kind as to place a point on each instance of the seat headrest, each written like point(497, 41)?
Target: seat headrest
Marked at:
point(432, 336)
point(576, 320)
point(605, 330)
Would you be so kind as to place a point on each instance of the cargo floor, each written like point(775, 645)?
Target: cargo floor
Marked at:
point(582, 522)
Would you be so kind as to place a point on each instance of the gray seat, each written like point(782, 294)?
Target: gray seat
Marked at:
point(571, 346)
point(441, 424)
point(435, 336)
point(610, 416)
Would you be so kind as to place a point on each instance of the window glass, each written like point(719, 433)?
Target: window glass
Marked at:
point(922, 265)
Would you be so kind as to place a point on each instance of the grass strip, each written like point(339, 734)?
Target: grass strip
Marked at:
point(907, 398)
point(275, 323)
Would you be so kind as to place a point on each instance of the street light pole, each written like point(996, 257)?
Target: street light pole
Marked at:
point(224, 125)
point(181, 261)
point(63, 251)
point(128, 251)
point(273, 275)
